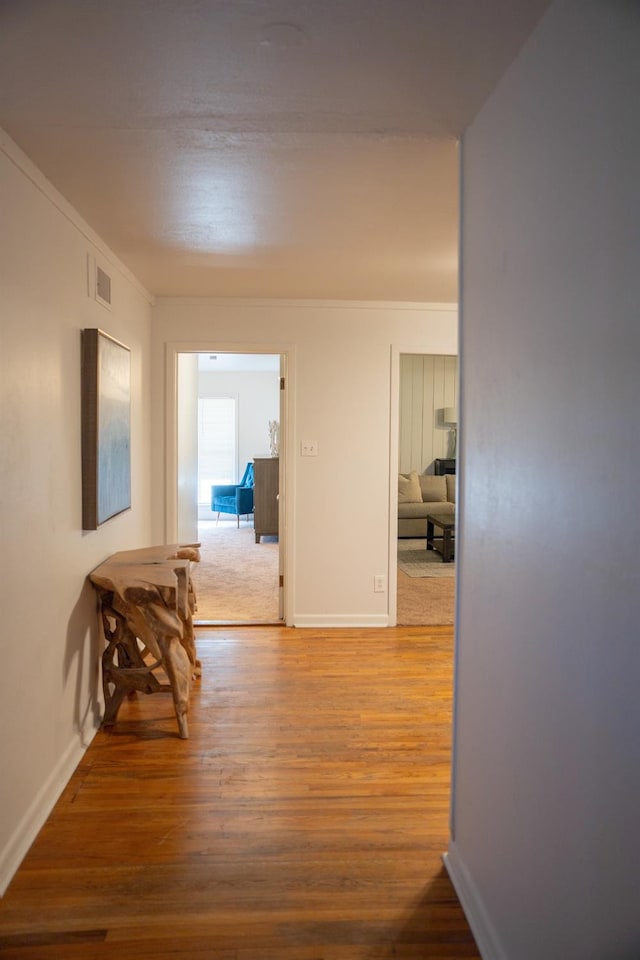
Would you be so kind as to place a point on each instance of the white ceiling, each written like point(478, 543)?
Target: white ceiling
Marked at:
point(260, 148)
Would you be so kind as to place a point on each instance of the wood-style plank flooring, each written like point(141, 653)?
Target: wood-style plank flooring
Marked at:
point(304, 819)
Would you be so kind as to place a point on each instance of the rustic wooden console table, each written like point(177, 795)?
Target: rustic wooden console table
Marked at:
point(147, 602)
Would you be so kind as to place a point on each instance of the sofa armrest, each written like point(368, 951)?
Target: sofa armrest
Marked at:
point(224, 490)
point(219, 491)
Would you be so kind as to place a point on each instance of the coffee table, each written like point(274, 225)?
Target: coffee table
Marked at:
point(442, 544)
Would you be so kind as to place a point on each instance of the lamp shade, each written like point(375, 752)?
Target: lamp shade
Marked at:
point(450, 415)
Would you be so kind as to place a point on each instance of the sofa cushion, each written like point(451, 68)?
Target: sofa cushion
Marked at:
point(413, 511)
point(434, 489)
point(409, 488)
point(451, 487)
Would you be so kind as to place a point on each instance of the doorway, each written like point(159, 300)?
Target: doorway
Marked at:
point(230, 413)
point(427, 393)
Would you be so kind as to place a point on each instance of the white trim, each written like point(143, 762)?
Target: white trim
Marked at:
point(221, 346)
point(483, 931)
point(460, 483)
point(341, 620)
point(43, 803)
point(394, 441)
point(260, 303)
point(26, 166)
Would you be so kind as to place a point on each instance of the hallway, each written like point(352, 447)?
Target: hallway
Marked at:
point(304, 819)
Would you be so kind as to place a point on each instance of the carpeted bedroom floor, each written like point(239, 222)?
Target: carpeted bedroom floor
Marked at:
point(236, 580)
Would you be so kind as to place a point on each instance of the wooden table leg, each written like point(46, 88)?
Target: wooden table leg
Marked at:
point(447, 546)
point(147, 600)
point(176, 663)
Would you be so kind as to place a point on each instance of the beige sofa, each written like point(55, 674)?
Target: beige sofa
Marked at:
point(420, 494)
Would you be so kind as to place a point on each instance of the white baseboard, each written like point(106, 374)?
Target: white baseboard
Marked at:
point(338, 620)
point(485, 936)
point(38, 811)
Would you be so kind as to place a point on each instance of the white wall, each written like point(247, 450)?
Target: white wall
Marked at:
point(339, 392)
point(546, 845)
point(50, 701)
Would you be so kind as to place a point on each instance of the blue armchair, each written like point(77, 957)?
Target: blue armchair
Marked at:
point(236, 498)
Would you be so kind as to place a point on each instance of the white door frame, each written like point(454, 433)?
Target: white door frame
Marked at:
point(286, 502)
point(398, 350)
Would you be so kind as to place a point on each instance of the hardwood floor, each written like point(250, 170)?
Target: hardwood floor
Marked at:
point(304, 819)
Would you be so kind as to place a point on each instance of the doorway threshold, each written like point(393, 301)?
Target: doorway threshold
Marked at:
point(238, 623)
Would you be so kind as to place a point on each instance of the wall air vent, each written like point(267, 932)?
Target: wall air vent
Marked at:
point(103, 286)
point(98, 283)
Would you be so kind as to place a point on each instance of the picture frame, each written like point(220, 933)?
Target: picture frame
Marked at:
point(106, 428)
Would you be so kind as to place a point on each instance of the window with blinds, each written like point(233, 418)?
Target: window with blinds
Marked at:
point(217, 455)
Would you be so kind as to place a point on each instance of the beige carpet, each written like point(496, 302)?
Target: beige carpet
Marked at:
point(426, 597)
point(236, 581)
point(428, 601)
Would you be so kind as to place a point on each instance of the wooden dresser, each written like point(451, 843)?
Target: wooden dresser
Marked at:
point(265, 496)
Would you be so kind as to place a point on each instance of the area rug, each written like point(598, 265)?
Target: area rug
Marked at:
point(416, 561)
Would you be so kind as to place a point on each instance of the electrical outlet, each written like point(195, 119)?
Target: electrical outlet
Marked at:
point(309, 448)
point(378, 583)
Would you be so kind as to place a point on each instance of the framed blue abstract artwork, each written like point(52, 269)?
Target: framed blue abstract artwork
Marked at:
point(106, 428)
